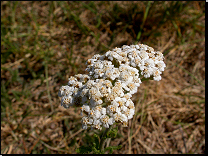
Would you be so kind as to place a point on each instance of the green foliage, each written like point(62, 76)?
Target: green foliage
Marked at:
point(111, 148)
point(5, 99)
point(144, 19)
point(91, 145)
point(112, 133)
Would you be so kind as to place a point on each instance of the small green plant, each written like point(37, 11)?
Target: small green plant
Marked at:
point(97, 145)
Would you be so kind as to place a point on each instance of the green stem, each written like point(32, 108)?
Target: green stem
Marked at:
point(144, 19)
point(104, 138)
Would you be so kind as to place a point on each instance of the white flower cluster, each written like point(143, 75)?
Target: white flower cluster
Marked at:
point(104, 94)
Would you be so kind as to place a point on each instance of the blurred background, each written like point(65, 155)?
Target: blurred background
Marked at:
point(44, 43)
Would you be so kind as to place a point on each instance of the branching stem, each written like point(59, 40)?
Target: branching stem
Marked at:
point(104, 138)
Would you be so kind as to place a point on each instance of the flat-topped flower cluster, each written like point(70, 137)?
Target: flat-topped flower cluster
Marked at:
point(104, 95)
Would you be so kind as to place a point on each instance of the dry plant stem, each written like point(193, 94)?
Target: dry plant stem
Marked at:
point(108, 142)
point(183, 139)
point(103, 139)
point(49, 97)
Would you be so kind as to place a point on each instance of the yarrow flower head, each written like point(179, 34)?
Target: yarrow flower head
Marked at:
point(104, 94)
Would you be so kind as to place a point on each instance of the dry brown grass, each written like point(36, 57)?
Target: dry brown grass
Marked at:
point(57, 38)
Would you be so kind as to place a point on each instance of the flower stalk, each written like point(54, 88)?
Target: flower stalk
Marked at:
point(104, 138)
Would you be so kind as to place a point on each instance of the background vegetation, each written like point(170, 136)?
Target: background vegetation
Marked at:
point(44, 43)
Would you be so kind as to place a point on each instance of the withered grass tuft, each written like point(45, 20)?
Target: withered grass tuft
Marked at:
point(44, 43)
